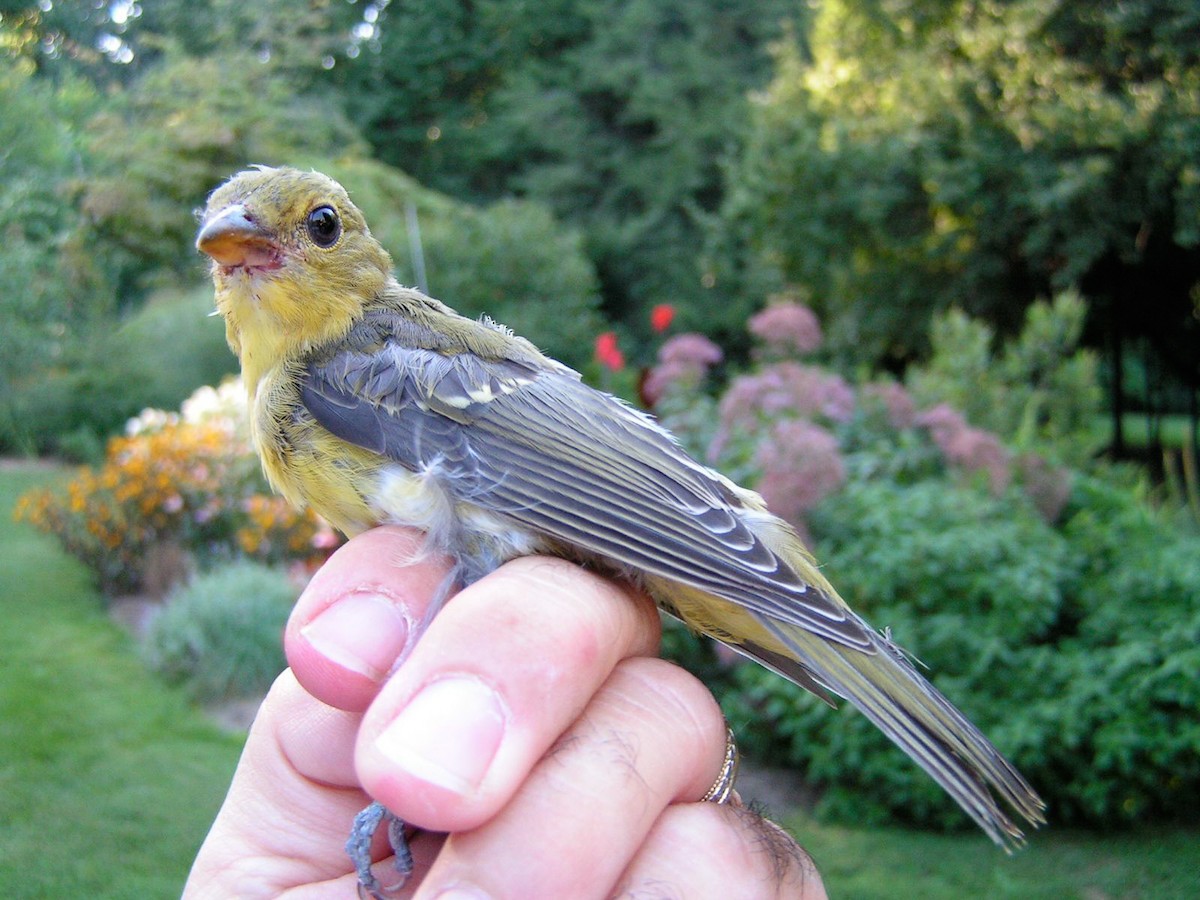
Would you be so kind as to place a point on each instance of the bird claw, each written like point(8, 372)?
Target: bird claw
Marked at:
point(358, 848)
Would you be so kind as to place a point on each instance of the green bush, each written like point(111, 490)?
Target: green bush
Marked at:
point(512, 260)
point(1058, 609)
point(966, 582)
point(155, 358)
point(1040, 391)
point(1075, 648)
point(221, 635)
point(1125, 699)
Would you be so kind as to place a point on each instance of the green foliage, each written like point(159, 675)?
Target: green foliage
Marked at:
point(156, 358)
point(156, 163)
point(72, 385)
point(1040, 392)
point(978, 156)
point(97, 194)
point(300, 41)
point(1058, 610)
point(510, 260)
point(1074, 648)
point(514, 262)
point(964, 581)
point(617, 115)
point(1124, 692)
point(46, 297)
point(221, 635)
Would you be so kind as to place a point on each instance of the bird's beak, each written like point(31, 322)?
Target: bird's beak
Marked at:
point(234, 239)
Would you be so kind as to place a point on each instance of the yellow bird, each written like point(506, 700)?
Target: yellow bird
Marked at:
point(372, 403)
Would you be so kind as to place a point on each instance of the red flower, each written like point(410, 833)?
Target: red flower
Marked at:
point(608, 353)
point(661, 317)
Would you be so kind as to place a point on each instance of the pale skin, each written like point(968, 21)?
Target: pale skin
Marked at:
point(560, 755)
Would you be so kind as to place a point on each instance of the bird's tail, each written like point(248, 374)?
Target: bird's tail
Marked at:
point(886, 687)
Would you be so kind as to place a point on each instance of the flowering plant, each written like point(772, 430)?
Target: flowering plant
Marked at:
point(189, 478)
point(798, 432)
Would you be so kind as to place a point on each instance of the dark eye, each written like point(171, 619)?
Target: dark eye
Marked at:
point(324, 226)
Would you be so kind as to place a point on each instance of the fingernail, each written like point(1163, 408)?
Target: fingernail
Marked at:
point(462, 892)
point(447, 734)
point(363, 632)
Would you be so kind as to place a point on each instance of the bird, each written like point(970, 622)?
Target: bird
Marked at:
point(372, 403)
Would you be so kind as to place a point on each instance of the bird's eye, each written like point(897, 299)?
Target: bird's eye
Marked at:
point(324, 226)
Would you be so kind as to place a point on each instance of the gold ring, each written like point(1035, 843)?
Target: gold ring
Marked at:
point(723, 786)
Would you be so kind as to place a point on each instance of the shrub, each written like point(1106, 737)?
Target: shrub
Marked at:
point(155, 358)
point(966, 582)
point(511, 260)
point(220, 636)
point(1054, 606)
point(1040, 391)
point(189, 479)
point(1124, 705)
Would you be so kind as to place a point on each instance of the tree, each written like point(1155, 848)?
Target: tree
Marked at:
point(49, 286)
point(154, 163)
point(981, 155)
point(115, 42)
point(616, 113)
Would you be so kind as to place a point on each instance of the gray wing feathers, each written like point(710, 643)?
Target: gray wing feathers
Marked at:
point(549, 452)
point(553, 455)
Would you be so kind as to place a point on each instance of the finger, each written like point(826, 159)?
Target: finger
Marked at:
point(503, 670)
point(291, 802)
point(652, 736)
point(360, 613)
point(710, 851)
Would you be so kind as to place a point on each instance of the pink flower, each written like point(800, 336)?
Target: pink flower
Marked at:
point(970, 449)
point(1048, 486)
point(976, 450)
point(943, 422)
point(787, 326)
point(608, 353)
point(896, 402)
point(690, 349)
point(786, 388)
point(801, 466)
point(682, 360)
point(661, 317)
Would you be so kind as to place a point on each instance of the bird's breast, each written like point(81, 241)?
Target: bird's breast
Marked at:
point(308, 465)
point(355, 489)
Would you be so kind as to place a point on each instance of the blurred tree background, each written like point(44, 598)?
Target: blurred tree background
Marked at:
point(890, 160)
point(975, 228)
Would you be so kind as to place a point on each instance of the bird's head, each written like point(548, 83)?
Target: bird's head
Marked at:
point(293, 263)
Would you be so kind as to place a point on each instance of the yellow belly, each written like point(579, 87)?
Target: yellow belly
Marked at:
point(355, 489)
point(308, 465)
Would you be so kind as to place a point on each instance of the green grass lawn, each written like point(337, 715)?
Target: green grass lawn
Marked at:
point(1158, 864)
point(1175, 429)
point(108, 780)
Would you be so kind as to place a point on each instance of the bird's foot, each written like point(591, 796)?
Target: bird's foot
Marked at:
point(358, 848)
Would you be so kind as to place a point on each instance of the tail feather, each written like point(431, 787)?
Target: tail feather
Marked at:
point(913, 714)
point(785, 666)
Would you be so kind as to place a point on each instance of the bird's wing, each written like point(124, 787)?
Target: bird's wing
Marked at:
point(538, 446)
point(558, 457)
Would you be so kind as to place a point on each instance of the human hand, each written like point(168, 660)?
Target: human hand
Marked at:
point(532, 723)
